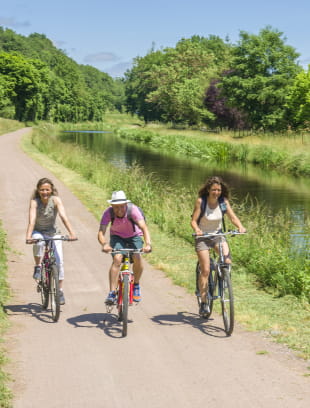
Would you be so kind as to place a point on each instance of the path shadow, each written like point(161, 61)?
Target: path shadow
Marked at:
point(206, 326)
point(33, 309)
point(107, 322)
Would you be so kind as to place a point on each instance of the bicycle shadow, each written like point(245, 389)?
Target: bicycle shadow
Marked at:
point(32, 309)
point(206, 326)
point(107, 322)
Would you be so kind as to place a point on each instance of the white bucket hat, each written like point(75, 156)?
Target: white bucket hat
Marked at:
point(118, 197)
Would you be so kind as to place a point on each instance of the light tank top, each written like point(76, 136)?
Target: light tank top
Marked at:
point(46, 217)
point(211, 221)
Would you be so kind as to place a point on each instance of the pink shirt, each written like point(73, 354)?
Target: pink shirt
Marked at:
point(123, 227)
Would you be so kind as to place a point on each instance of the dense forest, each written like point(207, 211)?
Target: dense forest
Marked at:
point(39, 82)
point(254, 84)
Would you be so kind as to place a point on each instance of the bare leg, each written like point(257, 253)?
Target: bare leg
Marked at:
point(204, 261)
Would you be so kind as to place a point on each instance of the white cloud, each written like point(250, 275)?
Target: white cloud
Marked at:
point(11, 22)
point(101, 57)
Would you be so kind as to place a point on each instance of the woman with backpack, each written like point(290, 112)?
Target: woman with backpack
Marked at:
point(208, 217)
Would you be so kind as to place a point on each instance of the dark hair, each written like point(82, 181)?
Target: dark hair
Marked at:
point(42, 181)
point(204, 190)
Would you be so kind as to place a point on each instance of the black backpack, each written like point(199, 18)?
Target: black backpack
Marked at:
point(203, 206)
point(129, 209)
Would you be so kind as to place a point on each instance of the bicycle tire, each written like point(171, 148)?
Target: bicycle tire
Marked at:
point(212, 281)
point(125, 304)
point(43, 284)
point(227, 301)
point(197, 291)
point(54, 293)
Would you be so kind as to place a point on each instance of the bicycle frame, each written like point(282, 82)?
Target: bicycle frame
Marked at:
point(48, 285)
point(125, 287)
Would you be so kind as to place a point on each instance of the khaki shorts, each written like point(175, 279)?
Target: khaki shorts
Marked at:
point(205, 243)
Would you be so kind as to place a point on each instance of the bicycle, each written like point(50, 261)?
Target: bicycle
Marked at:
point(48, 285)
point(219, 282)
point(124, 291)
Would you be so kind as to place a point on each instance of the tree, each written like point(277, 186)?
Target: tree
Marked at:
point(298, 101)
point(262, 70)
point(169, 85)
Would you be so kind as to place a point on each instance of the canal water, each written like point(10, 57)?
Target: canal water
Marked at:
point(275, 190)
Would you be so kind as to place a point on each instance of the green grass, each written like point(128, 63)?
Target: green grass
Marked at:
point(5, 393)
point(8, 125)
point(283, 316)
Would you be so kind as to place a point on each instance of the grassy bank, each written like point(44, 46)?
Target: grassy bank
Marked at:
point(8, 125)
point(5, 394)
point(222, 148)
point(272, 307)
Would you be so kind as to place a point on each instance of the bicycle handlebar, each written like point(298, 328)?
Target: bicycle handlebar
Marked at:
point(132, 250)
point(62, 238)
point(219, 234)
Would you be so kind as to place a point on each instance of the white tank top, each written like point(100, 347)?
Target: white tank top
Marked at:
point(211, 221)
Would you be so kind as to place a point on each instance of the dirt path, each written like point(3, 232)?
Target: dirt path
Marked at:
point(170, 357)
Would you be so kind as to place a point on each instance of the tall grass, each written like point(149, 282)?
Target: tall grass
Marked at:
point(8, 125)
point(267, 251)
point(5, 394)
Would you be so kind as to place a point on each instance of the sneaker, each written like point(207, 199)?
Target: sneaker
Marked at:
point(61, 297)
point(204, 310)
point(111, 298)
point(136, 293)
point(37, 273)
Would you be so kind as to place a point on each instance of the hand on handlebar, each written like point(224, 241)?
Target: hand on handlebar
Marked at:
point(106, 248)
point(31, 241)
point(147, 248)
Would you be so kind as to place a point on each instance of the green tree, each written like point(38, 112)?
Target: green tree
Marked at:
point(169, 85)
point(261, 71)
point(298, 101)
point(27, 79)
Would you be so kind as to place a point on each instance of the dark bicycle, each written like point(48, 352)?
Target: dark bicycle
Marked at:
point(48, 285)
point(219, 282)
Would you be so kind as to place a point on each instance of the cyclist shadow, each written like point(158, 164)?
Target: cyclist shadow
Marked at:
point(206, 326)
point(32, 309)
point(107, 322)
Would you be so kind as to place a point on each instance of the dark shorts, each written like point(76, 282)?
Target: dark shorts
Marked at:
point(118, 242)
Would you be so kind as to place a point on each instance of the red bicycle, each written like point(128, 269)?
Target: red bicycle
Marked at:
point(124, 291)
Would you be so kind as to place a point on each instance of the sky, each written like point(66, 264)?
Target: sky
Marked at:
point(110, 34)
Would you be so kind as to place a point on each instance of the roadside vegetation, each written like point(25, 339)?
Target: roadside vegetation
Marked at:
point(5, 393)
point(271, 282)
point(9, 125)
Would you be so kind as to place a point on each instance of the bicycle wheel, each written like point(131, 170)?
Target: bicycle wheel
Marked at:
point(125, 304)
point(43, 286)
point(197, 291)
point(54, 293)
point(227, 301)
point(212, 286)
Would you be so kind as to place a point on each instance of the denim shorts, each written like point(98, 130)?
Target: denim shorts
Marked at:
point(118, 242)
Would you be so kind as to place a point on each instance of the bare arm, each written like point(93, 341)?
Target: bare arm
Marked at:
point(62, 214)
point(32, 219)
point(195, 217)
point(233, 218)
point(101, 238)
point(146, 235)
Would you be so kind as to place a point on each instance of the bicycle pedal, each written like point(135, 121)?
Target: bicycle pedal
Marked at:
point(38, 288)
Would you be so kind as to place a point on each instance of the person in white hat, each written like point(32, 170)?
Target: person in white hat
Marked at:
point(127, 228)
